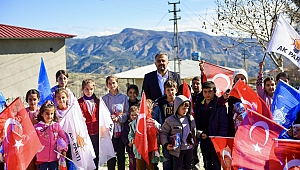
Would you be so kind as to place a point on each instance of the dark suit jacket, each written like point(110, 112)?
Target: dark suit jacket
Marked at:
point(151, 86)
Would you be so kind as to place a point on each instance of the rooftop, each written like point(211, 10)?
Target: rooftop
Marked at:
point(14, 32)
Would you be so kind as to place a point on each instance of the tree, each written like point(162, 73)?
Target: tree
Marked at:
point(255, 19)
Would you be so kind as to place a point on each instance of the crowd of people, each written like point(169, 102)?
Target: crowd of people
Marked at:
point(180, 127)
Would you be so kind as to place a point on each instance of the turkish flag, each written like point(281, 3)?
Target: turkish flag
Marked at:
point(187, 93)
point(141, 130)
point(20, 141)
point(285, 154)
point(253, 141)
point(223, 147)
point(221, 76)
point(250, 99)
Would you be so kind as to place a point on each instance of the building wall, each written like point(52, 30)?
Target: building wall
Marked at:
point(20, 63)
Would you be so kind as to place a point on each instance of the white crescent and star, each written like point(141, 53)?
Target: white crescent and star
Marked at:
point(253, 106)
point(220, 75)
point(18, 144)
point(261, 124)
point(226, 153)
point(11, 121)
point(266, 128)
point(141, 116)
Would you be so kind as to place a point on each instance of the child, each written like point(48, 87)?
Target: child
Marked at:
point(266, 92)
point(162, 111)
point(33, 98)
point(62, 80)
point(133, 115)
point(211, 120)
point(239, 74)
point(48, 131)
point(76, 133)
point(182, 125)
point(132, 93)
point(140, 162)
point(89, 105)
point(117, 104)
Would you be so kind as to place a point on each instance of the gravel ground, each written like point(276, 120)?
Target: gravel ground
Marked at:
point(199, 165)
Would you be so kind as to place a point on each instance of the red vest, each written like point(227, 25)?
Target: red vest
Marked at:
point(91, 121)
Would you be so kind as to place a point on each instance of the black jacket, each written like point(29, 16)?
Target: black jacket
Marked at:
point(151, 86)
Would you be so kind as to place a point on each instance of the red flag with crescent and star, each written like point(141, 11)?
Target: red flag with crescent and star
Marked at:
point(223, 147)
point(187, 93)
point(253, 141)
point(141, 131)
point(286, 154)
point(221, 76)
point(250, 99)
point(18, 136)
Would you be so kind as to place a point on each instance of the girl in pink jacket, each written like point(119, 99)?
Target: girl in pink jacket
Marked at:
point(48, 131)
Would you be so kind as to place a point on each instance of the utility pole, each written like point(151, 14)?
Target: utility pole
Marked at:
point(244, 58)
point(176, 39)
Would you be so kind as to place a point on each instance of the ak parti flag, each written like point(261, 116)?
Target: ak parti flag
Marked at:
point(285, 40)
point(20, 141)
point(106, 126)
point(250, 99)
point(286, 154)
point(223, 147)
point(187, 93)
point(221, 76)
point(285, 104)
point(141, 130)
point(253, 141)
point(44, 85)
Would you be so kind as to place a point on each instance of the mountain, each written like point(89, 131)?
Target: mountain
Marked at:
point(132, 48)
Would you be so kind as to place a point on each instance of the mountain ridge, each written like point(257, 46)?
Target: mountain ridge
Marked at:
point(133, 48)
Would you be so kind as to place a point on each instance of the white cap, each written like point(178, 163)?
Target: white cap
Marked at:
point(242, 72)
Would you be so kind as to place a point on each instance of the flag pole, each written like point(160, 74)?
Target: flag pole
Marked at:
point(264, 57)
point(68, 159)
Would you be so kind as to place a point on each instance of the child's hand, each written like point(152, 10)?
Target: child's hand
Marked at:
point(201, 65)
point(170, 147)
point(130, 144)
point(155, 104)
point(64, 153)
point(204, 136)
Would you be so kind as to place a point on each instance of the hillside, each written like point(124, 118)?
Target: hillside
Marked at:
point(133, 47)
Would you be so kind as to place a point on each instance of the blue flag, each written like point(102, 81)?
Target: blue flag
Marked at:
point(44, 85)
point(285, 104)
point(2, 102)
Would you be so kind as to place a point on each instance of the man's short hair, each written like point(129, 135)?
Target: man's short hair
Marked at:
point(170, 84)
point(196, 78)
point(209, 85)
point(160, 54)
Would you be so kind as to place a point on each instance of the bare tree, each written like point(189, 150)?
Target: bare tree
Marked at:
point(253, 18)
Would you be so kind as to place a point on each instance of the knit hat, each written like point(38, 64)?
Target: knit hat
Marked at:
point(242, 72)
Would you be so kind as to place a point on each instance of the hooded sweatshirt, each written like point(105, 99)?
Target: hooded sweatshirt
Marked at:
point(178, 124)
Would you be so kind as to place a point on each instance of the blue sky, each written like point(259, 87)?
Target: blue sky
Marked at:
point(103, 17)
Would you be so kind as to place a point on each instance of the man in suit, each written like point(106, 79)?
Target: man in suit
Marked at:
point(153, 84)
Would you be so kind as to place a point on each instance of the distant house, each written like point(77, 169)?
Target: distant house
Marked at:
point(21, 50)
point(188, 70)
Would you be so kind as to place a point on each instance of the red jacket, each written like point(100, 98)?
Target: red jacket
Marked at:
point(91, 120)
